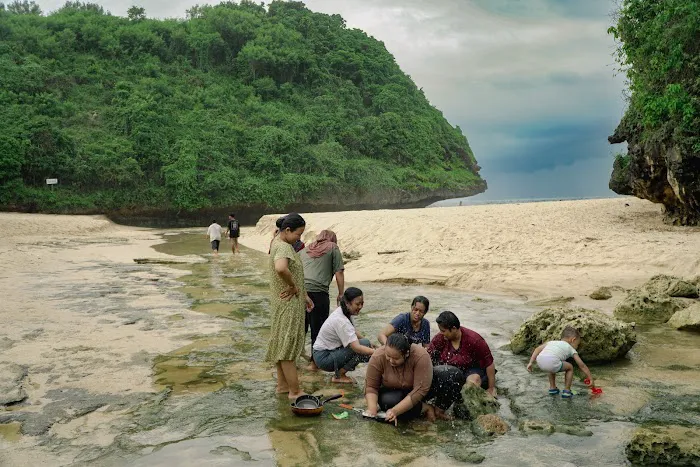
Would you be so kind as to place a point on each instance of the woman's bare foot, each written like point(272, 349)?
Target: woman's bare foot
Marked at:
point(293, 395)
point(312, 366)
point(342, 379)
point(441, 415)
point(430, 413)
point(281, 390)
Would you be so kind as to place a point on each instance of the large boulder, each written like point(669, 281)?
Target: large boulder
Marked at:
point(603, 339)
point(475, 402)
point(673, 445)
point(687, 319)
point(657, 300)
point(645, 307)
point(671, 286)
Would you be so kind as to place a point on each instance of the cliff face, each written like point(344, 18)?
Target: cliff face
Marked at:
point(661, 172)
point(249, 214)
point(659, 51)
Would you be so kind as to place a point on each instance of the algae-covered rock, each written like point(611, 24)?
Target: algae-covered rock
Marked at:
point(672, 286)
point(644, 307)
point(657, 300)
point(467, 456)
point(602, 293)
point(687, 319)
point(603, 339)
point(475, 402)
point(671, 445)
point(489, 425)
point(536, 427)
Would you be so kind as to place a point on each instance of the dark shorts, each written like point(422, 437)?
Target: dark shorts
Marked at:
point(215, 245)
point(482, 373)
point(234, 235)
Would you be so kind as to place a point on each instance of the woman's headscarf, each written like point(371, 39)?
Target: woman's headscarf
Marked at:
point(325, 241)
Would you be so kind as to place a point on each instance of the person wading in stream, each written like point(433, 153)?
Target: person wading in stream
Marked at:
point(234, 231)
point(322, 260)
point(214, 234)
point(288, 302)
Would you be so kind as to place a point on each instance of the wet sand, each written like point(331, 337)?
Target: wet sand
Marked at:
point(529, 250)
point(78, 313)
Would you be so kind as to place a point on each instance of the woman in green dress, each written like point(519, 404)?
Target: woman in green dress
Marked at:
point(288, 303)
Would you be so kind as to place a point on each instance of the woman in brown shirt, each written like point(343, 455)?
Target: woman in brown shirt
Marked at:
point(398, 378)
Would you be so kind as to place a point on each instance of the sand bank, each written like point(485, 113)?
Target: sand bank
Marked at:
point(529, 250)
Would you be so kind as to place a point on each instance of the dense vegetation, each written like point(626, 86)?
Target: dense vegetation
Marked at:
point(660, 53)
point(238, 104)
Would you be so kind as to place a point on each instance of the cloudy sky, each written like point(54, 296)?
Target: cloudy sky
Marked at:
point(530, 82)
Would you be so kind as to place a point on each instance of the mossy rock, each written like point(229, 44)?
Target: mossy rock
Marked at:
point(475, 402)
point(672, 286)
point(603, 339)
point(643, 307)
point(671, 445)
point(467, 456)
point(687, 319)
point(602, 293)
point(489, 425)
point(536, 427)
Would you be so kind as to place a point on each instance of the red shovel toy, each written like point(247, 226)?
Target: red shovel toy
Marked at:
point(594, 390)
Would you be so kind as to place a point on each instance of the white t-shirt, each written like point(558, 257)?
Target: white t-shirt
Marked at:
point(559, 349)
point(214, 232)
point(337, 331)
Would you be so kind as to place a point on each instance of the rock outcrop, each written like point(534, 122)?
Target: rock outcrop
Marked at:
point(475, 402)
point(603, 339)
point(602, 293)
point(657, 300)
point(489, 425)
point(676, 446)
point(11, 378)
point(658, 171)
point(687, 319)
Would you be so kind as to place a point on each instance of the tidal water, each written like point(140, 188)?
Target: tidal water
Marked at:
point(217, 404)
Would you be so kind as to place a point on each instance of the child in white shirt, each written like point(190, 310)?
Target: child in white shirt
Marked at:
point(551, 357)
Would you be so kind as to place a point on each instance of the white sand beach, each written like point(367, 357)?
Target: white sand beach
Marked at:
point(528, 250)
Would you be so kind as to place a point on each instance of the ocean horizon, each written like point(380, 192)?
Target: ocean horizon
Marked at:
point(471, 201)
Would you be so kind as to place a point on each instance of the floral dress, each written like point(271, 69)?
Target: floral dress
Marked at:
point(287, 329)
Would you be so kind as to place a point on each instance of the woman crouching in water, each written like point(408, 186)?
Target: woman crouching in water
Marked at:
point(398, 378)
point(339, 347)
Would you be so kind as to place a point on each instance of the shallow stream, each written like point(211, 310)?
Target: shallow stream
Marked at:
point(217, 404)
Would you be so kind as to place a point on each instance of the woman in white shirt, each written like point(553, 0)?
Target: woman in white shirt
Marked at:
point(339, 347)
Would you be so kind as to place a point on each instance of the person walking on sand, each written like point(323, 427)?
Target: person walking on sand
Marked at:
point(214, 233)
point(322, 260)
point(287, 302)
point(552, 357)
point(233, 231)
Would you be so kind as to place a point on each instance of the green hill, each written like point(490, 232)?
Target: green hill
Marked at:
point(238, 105)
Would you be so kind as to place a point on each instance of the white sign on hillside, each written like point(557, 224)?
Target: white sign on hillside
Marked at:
point(51, 181)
